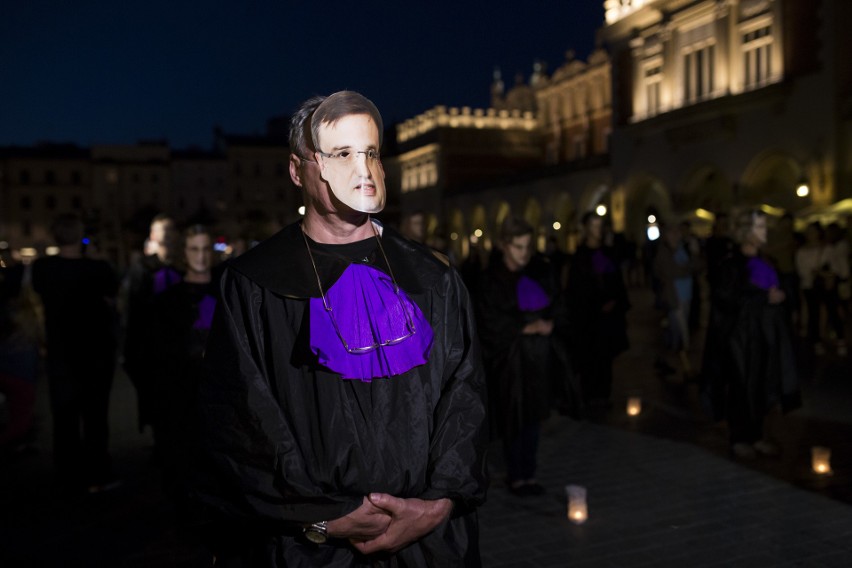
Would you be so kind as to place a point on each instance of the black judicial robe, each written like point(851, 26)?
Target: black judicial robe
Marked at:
point(286, 442)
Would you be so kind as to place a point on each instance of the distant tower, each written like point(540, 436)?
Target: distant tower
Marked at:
point(538, 73)
point(497, 89)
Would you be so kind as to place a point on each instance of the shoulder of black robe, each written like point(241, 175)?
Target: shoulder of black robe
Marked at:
point(286, 276)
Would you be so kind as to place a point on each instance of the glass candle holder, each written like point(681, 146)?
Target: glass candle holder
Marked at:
point(578, 509)
point(821, 460)
point(634, 406)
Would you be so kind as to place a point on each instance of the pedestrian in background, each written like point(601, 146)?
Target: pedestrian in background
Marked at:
point(183, 314)
point(515, 313)
point(811, 263)
point(148, 277)
point(78, 294)
point(597, 306)
point(748, 359)
point(674, 269)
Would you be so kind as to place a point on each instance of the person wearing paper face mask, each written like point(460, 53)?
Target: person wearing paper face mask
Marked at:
point(748, 365)
point(344, 399)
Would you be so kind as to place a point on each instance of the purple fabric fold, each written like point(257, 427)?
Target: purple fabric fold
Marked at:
point(761, 273)
point(164, 278)
point(531, 296)
point(206, 307)
point(368, 312)
point(601, 263)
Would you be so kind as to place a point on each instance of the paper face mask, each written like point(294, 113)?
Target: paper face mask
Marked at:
point(349, 161)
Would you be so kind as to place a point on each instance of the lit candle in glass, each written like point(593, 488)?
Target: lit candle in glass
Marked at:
point(634, 406)
point(578, 510)
point(821, 460)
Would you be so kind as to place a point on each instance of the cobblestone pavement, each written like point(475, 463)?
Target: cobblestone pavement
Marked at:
point(662, 489)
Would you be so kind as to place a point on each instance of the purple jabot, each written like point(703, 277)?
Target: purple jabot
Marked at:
point(164, 278)
point(531, 296)
point(368, 312)
point(206, 307)
point(601, 263)
point(761, 273)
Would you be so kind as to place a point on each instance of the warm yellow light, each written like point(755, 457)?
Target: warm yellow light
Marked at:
point(28, 252)
point(454, 236)
point(652, 218)
point(578, 509)
point(601, 210)
point(821, 460)
point(634, 406)
point(557, 225)
point(704, 214)
point(803, 190)
point(478, 233)
point(302, 210)
point(51, 251)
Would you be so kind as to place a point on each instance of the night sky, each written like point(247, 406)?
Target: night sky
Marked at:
point(107, 71)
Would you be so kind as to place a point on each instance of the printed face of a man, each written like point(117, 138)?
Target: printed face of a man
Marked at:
point(758, 231)
point(199, 253)
point(518, 252)
point(348, 160)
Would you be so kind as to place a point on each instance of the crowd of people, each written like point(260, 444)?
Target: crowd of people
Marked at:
point(322, 397)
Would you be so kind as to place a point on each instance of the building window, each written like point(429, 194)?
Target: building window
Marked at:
point(698, 71)
point(24, 177)
point(27, 228)
point(26, 203)
point(50, 202)
point(155, 178)
point(653, 85)
point(50, 177)
point(76, 178)
point(757, 57)
point(76, 202)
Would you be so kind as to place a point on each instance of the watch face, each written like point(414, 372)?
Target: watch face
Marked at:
point(315, 536)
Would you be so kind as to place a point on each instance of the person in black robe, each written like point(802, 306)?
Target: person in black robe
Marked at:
point(300, 466)
point(150, 276)
point(183, 314)
point(516, 312)
point(78, 294)
point(748, 362)
point(597, 304)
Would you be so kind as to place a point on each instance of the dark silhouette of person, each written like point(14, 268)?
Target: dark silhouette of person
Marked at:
point(150, 276)
point(597, 304)
point(183, 315)
point(78, 294)
point(748, 362)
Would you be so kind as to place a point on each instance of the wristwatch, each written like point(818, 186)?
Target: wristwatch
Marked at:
point(317, 532)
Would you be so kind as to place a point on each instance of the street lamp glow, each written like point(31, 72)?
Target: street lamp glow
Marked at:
point(652, 218)
point(601, 210)
point(803, 190)
point(557, 225)
point(454, 236)
point(478, 233)
point(302, 210)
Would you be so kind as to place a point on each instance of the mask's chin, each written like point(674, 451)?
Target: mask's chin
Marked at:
point(356, 201)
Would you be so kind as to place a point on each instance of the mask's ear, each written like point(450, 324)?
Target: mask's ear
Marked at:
point(295, 170)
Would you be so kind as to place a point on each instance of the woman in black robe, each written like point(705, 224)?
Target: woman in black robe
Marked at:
point(516, 323)
point(748, 358)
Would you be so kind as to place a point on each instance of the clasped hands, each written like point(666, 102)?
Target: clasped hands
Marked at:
point(538, 327)
point(387, 523)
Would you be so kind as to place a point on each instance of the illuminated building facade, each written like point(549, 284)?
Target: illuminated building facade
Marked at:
point(540, 151)
point(723, 103)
